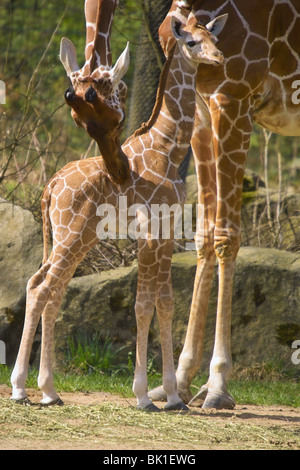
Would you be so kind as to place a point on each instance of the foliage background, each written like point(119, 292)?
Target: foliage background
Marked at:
point(37, 133)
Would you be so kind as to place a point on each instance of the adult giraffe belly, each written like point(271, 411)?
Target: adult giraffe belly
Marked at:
point(278, 108)
point(283, 123)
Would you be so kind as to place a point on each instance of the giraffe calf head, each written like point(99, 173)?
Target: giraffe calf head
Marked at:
point(197, 41)
point(97, 101)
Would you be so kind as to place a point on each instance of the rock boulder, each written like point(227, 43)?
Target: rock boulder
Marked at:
point(20, 257)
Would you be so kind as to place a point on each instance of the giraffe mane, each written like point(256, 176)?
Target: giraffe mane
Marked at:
point(146, 126)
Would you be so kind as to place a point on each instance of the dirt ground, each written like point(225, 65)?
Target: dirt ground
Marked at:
point(267, 427)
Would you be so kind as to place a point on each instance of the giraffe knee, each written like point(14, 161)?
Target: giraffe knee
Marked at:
point(144, 308)
point(39, 277)
point(226, 249)
point(205, 246)
point(165, 306)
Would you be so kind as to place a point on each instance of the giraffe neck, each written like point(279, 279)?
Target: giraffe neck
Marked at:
point(171, 132)
point(99, 16)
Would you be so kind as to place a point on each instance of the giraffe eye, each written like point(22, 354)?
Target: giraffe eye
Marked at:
point(191, 43)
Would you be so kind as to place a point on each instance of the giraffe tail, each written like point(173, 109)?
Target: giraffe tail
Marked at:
point(45, 204)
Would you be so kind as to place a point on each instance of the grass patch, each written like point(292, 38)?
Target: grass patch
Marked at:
point(253, 392)
point(92, 364)
point(93, 353)
point(286, 393)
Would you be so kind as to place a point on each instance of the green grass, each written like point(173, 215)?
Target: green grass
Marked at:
point(92, 353)
point(92, 364)
point(256, 392)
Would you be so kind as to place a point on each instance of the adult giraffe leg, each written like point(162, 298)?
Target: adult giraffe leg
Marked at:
point(232, 125)
point(191, 355)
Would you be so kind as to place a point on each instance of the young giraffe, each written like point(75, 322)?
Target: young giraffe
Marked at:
point(97, 95)
point(70, 202)
point(259, 83)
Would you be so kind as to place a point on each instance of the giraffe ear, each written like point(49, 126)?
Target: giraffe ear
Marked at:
point(121, 66)
point(216, 25)
point(68, 56)
point(176, 28)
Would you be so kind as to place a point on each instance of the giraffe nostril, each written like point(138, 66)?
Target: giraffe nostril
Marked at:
point(90, 95)
point(70, 94)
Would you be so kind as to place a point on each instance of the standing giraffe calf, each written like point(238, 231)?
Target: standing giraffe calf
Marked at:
point(72, 197)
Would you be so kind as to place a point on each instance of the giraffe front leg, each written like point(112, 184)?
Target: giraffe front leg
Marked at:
point(165, 311)
point(231, 143)
point(215, 392)
point(144, 309)
point(45, 378)
point(144, 312)
point(191, 355)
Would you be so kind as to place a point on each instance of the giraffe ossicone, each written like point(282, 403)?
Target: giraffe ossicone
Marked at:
point(70, 201)
point(68, 58)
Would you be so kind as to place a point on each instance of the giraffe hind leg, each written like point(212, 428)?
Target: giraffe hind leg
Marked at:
point(44, 293)
point(35, 302)
point(64, 263)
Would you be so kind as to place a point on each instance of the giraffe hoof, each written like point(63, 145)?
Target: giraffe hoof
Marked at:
point(199, 398)
point(185, 395)
point(159, 394)
point(219, 401)
point(178, 407)
point(151, 408)
point(58, 401)
point(22, 401)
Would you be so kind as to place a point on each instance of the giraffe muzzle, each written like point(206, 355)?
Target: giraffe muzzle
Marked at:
point(218, 58)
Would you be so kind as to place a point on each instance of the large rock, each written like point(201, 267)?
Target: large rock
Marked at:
point(102, 303)
point(265, 314)
point(20, 257)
